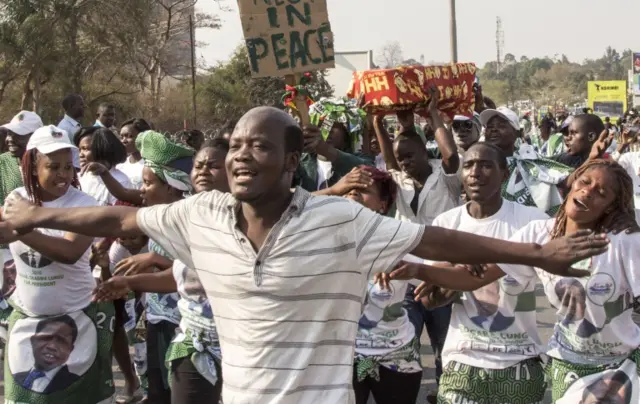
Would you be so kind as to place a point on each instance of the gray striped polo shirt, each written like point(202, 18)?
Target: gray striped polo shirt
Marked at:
point(287, 314)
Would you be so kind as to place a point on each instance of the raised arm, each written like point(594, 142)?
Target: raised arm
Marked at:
point(386, 145)
point(444, 138)
point(116, 189)
point(121, 193)
point(115, 221)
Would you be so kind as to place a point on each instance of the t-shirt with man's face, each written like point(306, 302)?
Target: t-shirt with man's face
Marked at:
point(594, 324)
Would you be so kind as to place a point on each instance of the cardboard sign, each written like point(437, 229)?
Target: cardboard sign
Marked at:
point(407, 87)
point(286, 36)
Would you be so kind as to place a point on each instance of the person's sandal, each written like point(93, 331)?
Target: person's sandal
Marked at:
point(136, 397)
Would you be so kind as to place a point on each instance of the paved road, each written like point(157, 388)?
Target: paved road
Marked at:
point(546, 319)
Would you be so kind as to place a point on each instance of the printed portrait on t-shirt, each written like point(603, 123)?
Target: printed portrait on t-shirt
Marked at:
point(47, 355)
point(377, 307)
point(613, 388)
point(508, 293)
point(31, 257)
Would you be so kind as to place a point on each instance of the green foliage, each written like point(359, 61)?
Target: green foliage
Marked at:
point(229, 90)
point(550, 80)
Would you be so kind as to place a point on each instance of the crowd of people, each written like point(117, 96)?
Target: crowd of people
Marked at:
point(275, 263)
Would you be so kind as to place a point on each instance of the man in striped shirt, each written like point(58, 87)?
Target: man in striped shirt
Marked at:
point(286, 272)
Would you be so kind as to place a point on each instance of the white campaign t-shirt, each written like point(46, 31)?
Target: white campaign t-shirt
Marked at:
point(631, 162)
point(493, 327)
point(117, 253)
point(324, 173)
point(94, 186)
point(384, 325)
point(133, 171)
point(594, 313)
point(45, 287)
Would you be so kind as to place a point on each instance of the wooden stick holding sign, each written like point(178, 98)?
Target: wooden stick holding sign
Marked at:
point(286, 38)
point(300, 100)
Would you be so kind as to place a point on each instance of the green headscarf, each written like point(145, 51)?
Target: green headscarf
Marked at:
point(328, 111)
point(158, 152)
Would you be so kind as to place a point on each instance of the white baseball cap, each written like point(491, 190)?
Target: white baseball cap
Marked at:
point(502, 112)
point(475, 119)
point(49, 139)
point(25, 123)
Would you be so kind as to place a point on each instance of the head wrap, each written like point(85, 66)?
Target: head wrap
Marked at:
point(169, 161)
point(328, 111)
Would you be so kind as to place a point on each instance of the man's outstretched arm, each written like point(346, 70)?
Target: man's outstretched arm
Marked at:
point(556, 256)
point(113, 221)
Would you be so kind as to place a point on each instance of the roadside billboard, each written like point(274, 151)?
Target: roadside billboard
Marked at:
point(607, 98)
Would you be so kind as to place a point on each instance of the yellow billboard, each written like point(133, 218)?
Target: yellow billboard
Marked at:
point(607, 98)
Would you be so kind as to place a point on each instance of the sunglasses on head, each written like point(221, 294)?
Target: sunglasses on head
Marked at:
point(464, 125)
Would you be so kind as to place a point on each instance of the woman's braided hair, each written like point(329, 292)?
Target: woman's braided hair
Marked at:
point(622, 205)
point(30, 180)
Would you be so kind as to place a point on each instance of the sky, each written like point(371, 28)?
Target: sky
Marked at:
point(535, 28)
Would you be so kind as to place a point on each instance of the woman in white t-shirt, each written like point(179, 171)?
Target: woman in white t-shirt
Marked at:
point(100, 145)
point(134, 163)
point(194, 355)
point(594, 348)
point(387, 357)
point(59, 346)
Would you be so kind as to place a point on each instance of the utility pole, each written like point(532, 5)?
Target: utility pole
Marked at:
point(193, 70)
point(454, 32)
point(499, 44)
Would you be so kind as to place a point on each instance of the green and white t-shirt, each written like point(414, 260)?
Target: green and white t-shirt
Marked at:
point(384, 327)
point(594, 313)
point(45, 287)
point(493, 327)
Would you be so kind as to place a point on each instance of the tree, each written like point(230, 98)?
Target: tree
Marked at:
point(116, 50)
point(390, 55)
point(548, 80)
point(409, 62)
point(509, 59)
point(159, 45)
point(230, 91)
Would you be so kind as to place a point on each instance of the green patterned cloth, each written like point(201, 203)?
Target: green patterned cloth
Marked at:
point(552, 147)
point(613, 383)
point(85, 376)
point(158, 152)
point(533, 180)
point(522, 383)
point(404, 360)
point(328, 111)
point(203, 352)
point(10, 177)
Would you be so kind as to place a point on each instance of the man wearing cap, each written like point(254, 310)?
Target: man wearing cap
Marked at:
point(20, 130)
point(73, 105)
point(466, 131)
point(533, 180)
